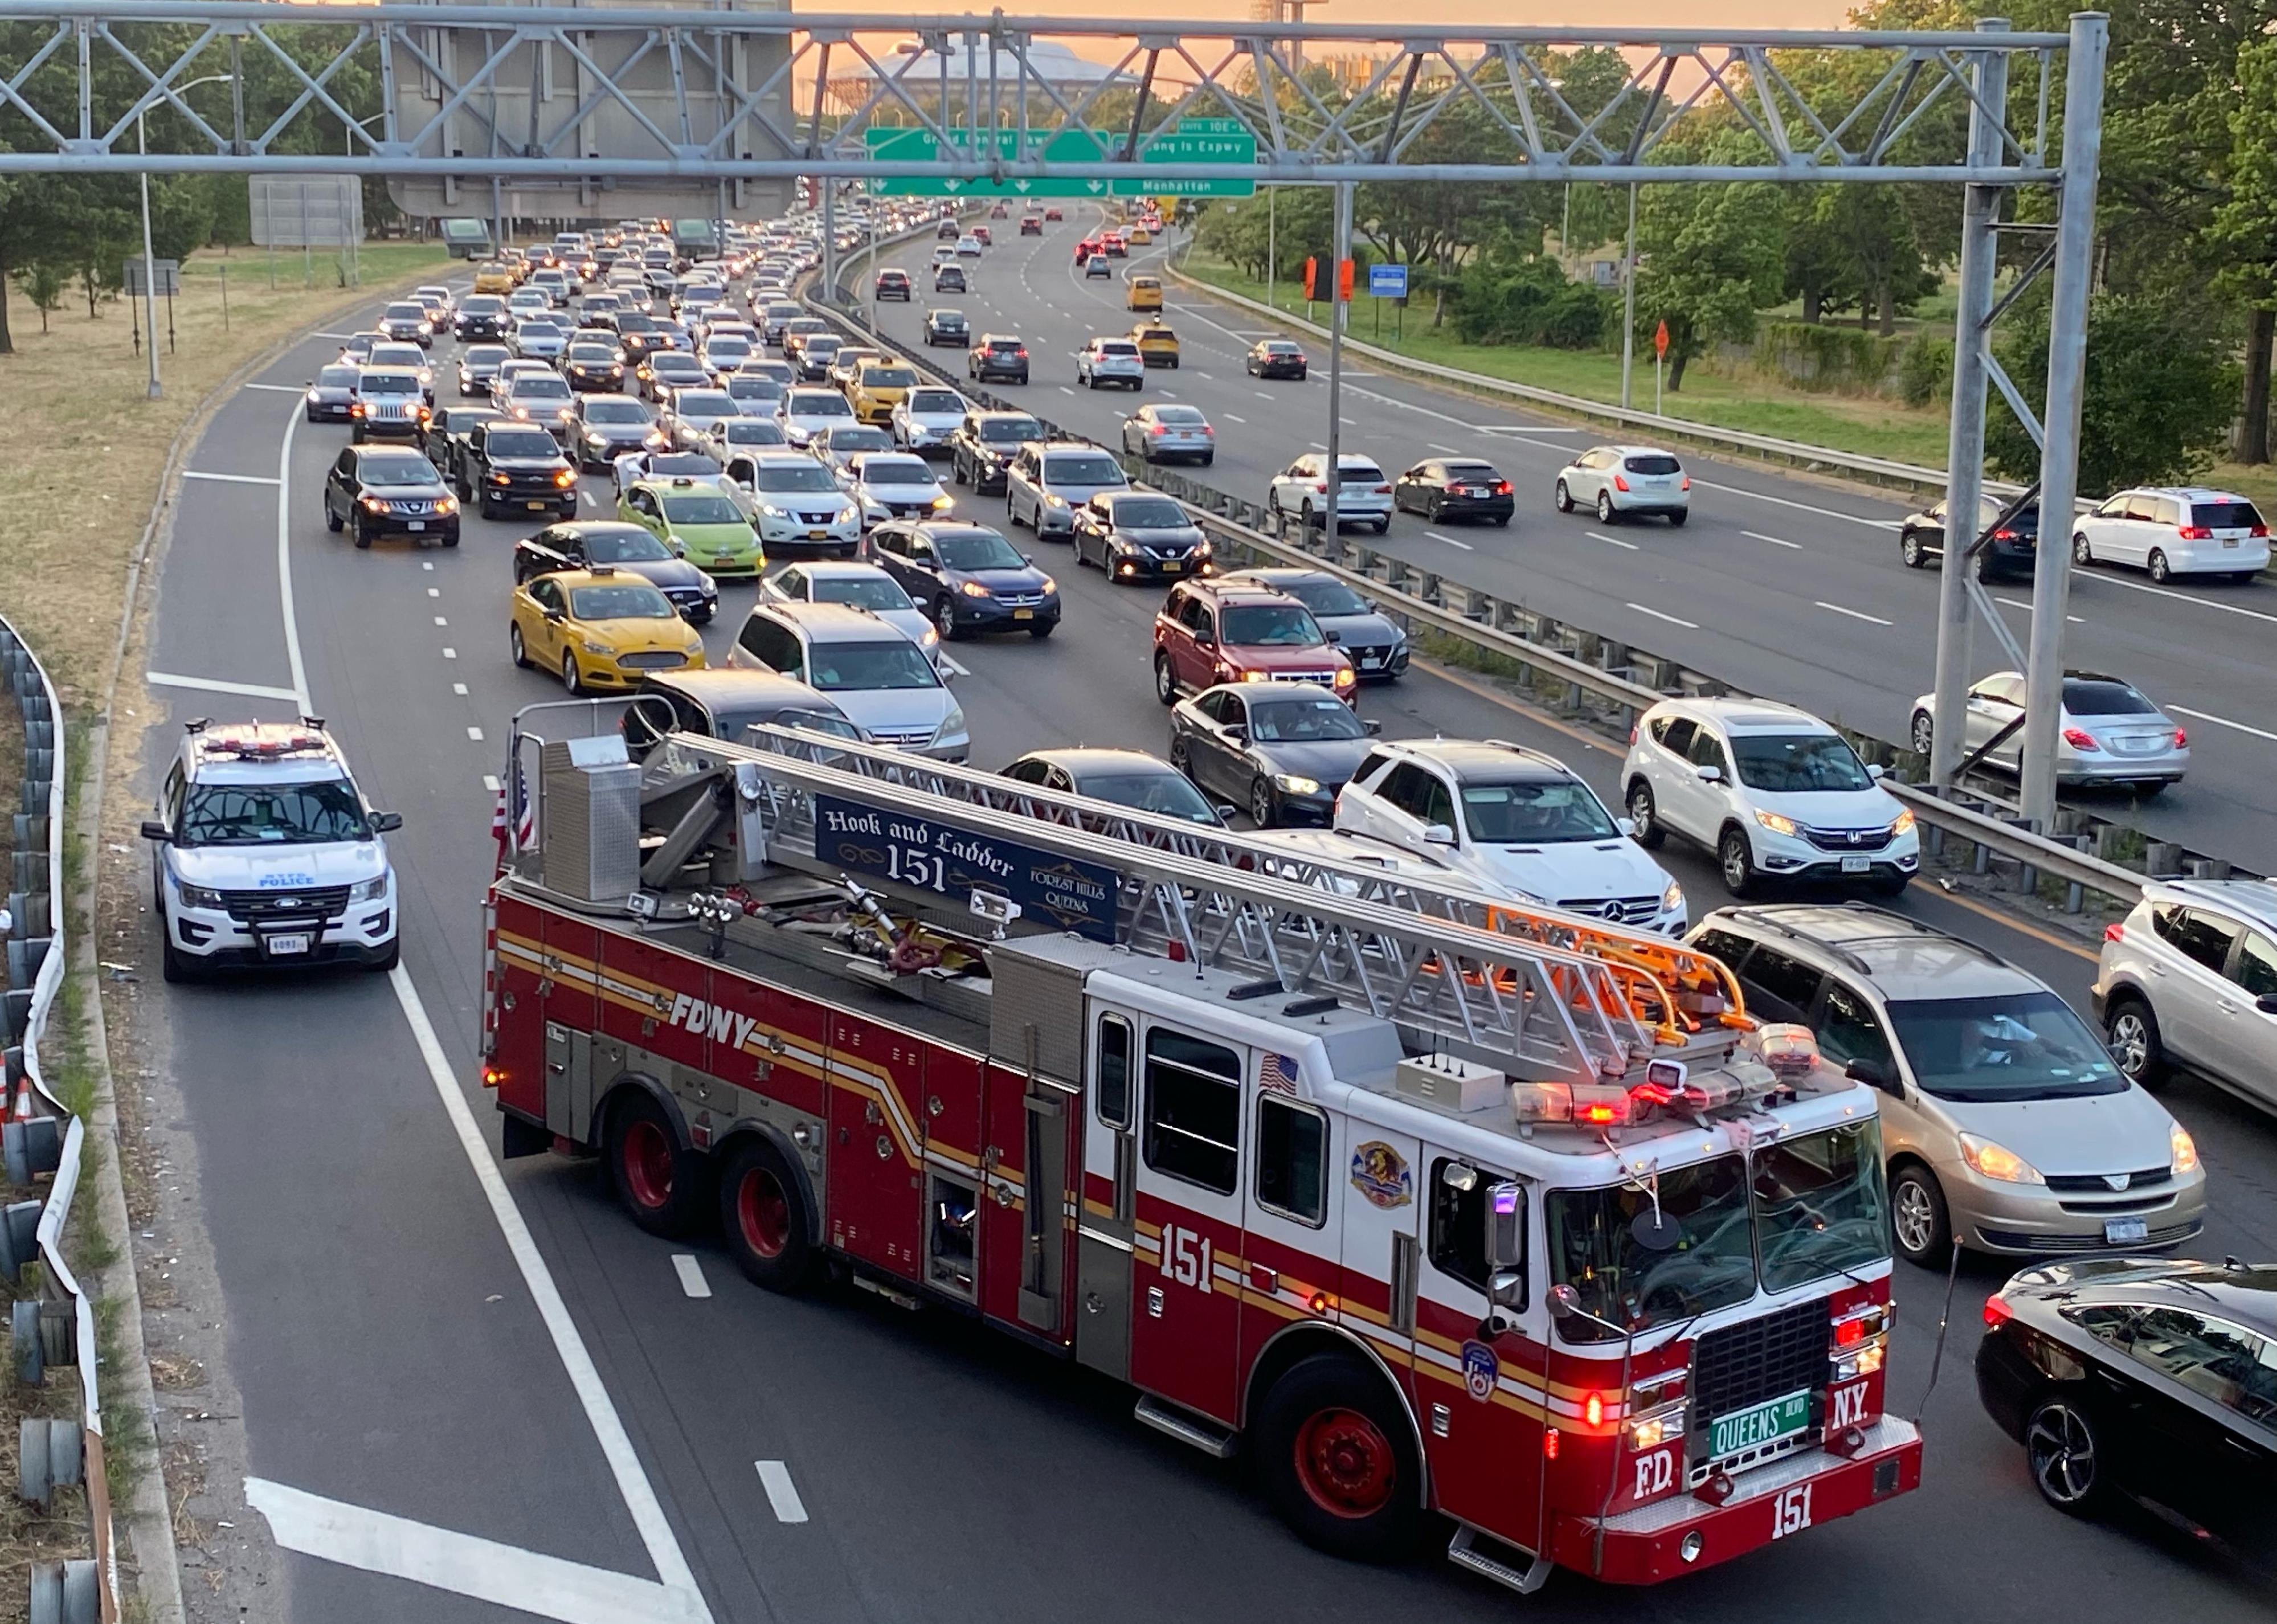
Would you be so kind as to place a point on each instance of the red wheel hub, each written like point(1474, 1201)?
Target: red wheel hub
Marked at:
point(763, 1211)
point(1346, 1463)
point(648, 1164)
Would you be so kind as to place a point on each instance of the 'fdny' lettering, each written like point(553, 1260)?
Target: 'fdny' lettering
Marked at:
point(1846, 1407)
point(715, 1021)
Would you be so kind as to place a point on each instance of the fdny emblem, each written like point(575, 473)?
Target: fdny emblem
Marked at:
point(1380, 1173)
point(1480, 1370)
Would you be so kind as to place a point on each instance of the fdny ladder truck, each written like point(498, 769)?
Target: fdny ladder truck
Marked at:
point(1437, 1202)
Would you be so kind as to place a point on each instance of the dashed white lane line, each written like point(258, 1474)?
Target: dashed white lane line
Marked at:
point(1855, 614)
point(427, 564)
point(450, 653)
point(459, 688)
point(2203, 603)
point(1764, 496)
point(1672, 619)
point(2018, 603)
point(439, 620)
point(1774, 540)
point(1450, 541)
point(954, 667)
point(1611, 541)
point(1205, 378)
point(691, 1274)
point(491, 783)
point(230, 479)
point(1244, 422)
point(1262, 394)
point(1065, 390)
point(587, 496)
point(1451, 451)
point(782, 1494)
point(434, 591)
point(475, 734)
point(2221, 722)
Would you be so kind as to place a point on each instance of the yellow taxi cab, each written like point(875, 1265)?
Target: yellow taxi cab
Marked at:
point(1145, 293)
point(878, 387)
point(1158, 345)
point(493, 277)
point(599, 630)
point(1140, 237)
point(847, 365)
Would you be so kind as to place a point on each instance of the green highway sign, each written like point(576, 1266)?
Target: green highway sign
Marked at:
point(1195, 140)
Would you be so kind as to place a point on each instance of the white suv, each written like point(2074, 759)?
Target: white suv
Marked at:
point(1619, 481)
point(1363, 494)
point(1521, 820)
point(2173, 530)
point(265, 855)
point(1774, 792)
point(1110, 361)
point(2190, 978)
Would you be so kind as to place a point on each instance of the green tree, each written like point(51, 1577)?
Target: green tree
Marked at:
point(44, 285)
point(1708, 258)
point(2244, 230)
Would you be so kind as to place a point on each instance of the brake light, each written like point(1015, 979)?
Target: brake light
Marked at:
point(2114, 932)
point(1620, 482)
point(1997, 1312)
point(1687, 482)
point(1322, 486)
point(1502, 487)
point(2004, 535)
point(2181, 738)
point(1383, 489)
point(1633, 733)
point(1207, 430)
point(2195, 533)
point(2079, 740)
point(2261, 530)
point(1021, 351)
point(1158, 429)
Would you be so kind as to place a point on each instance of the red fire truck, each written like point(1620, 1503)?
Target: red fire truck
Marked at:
point(1437, 1204)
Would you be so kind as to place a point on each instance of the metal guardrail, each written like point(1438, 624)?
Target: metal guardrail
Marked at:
point(57, 1327)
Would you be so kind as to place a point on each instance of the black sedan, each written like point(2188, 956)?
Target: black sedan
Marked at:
point(2149, 1379)
point(1445, 488)
point(946, 327)
point(580, 545)
point(331, 391)
point(2013, 553)
point(1280, 750)
point(968, 579)
point(1137, 536)
point(1128, 778)
point(594, 365)
point(373, 490)
point(1370, 638)
point(1274, 358)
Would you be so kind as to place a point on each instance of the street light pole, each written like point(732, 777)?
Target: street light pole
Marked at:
point(1343, 250)
point(149, 265)
point(1628, 301)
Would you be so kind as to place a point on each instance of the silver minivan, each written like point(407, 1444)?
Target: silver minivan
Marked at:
point(870, 669)
point(2007, 1126)
point(2190, 978)
point(1049, 479)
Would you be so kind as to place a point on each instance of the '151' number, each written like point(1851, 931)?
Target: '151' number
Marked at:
point(1791, 1512)
point(1186, 1256)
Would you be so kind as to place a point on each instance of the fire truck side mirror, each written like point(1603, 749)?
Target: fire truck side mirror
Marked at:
point(1506, 1243)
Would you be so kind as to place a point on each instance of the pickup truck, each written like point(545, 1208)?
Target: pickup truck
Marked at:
point(513, 467)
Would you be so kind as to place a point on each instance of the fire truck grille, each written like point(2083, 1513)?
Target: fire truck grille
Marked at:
point(1745, 1364)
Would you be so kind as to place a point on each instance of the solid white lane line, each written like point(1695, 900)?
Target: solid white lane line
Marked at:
point(954, 666)
point(230, 479)
point(1824, 513)
point(2165, 591)
point(2018, 603)
point(1855, 614)
point(1774, 540)
point(277, 388)
point(2221, 722)
point(1450, 541)
point(1611, 541)
point(215, 685)
point(782, 1494)
point(475, 734)
point(1670, 619)
point(691, 1274)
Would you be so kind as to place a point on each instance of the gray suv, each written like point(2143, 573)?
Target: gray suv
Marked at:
point(2190, 979)
point(2006, 1126)
point(1049, 479)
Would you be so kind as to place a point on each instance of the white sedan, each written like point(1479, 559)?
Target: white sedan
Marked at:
point(895, 485)
point(1619, 482)
point(924, 418)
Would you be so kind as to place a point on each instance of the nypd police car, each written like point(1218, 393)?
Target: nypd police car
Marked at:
point(265, 854)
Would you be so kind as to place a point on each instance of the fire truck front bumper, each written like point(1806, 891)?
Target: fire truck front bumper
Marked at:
point(1685, 1533)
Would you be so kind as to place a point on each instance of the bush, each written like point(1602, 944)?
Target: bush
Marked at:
point(1925, 370)
point(1528, 302)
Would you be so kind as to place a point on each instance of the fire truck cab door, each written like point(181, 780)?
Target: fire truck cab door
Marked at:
point(1110, 1166)
point(1186, 1260)
point(1377, 1184)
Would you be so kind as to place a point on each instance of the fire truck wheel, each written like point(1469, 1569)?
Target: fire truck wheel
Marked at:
point(1339, 1460)
point(764, 1216)
point(656, 1180)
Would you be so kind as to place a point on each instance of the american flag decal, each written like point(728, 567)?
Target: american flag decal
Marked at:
point(1277, 1073)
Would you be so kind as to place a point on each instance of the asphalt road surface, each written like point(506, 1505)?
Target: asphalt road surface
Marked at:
point(1780, 585)
point(505, 1362)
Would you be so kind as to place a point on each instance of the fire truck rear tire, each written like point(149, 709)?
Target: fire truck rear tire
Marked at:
point(764, 1216)
point(1339, 1460)
point(657, 1180)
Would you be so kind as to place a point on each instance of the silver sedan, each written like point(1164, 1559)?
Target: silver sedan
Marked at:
point(2109, 731)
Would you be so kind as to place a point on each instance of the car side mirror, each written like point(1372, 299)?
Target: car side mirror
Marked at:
point(1438, 835)
point(1371, 727)
point(1333, 637)
point(386, 822)
point(2267, 1003)
point(1204, 641)
point(1709, 774)
point(1626, 825)
point(153, 829)
point(557, 616)
point(680, 549)
point(1874, 1073)
point(1875, 772)
point(1236, 733)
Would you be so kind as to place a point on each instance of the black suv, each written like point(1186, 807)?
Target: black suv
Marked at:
point(985, 444)
point(946, 327)
point(997, 357)
point(389, 491)
point(481, 319)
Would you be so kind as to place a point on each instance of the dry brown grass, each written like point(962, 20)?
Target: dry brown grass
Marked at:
point(86, 447)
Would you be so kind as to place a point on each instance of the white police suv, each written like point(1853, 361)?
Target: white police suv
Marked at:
point(265, 854)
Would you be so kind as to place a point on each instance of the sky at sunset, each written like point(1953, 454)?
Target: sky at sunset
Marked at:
point(1504, 13)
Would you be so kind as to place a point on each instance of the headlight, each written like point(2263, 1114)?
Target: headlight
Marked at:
point(591, 647)
point(1344, 677)
point(973, 588)
point(674, 541)
point(930, 638)
point(197, 897)
point(446, 504)
point(952, 724)
point(312, 395)
point(1672, 898)
point(1998, 1162)
point(1054, 501)
point(1904, 825)
point(942, 503)
point(369, 890)
point(501, 479)
point(706, 585)
point(372, 504)
point(774, 512)
point(1050, 586)
point(1295, 783)
point(1776, 823)
point(652, 439)
point(565, 477)
point(2183, 1147)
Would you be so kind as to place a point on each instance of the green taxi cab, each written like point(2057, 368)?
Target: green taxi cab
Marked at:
point(699, 521)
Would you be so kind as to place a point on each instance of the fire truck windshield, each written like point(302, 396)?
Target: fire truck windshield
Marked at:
point(1795, 1211)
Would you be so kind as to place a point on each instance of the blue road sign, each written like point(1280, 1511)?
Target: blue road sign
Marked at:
point(1387, 281)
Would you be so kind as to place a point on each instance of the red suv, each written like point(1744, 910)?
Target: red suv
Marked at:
point(1206, 633)
point(1032, 225)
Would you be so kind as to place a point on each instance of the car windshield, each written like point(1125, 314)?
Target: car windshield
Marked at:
point(2088, 696)
point(615, 411)
point(1083, 468)
point(752, 431)
point(1594, 1248)
point(896, 470)
point(753, 388)
point(819, 403)
point(846, 440)
point(701, 510)
point(540, 387)
point(861, 591)
point(792, 476)
point(1658, 463)
point(1002, 346)
point(482, 304)
point(1149, 513)
point(888, 378)
point(1272, 625)
point(692, 463)
point(936, 400)
point(1167, 793)
point(541, 329)
point(1797, 763)
point(1324, 597)
point(642, 602)
point(524, 443)
point(1471, 473)
point(838, 667)
point(483, 356)
point(604, 354)
point(633, 321)
point(1304, 721)
point(271, 814)
point(2022, 1046)
point(407, 313)
point(1124, 350)
point(704, 403)
point(389, 383)
point(1008, 431)
point(1279, 349)
point(399, 469)
point(630, 545)
point(726, 345)
point(1181, 416)
point(1528, 811)
point(336, 378)
point(978, 550)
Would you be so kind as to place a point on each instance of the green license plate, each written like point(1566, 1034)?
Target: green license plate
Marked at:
point(1759, 1424)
